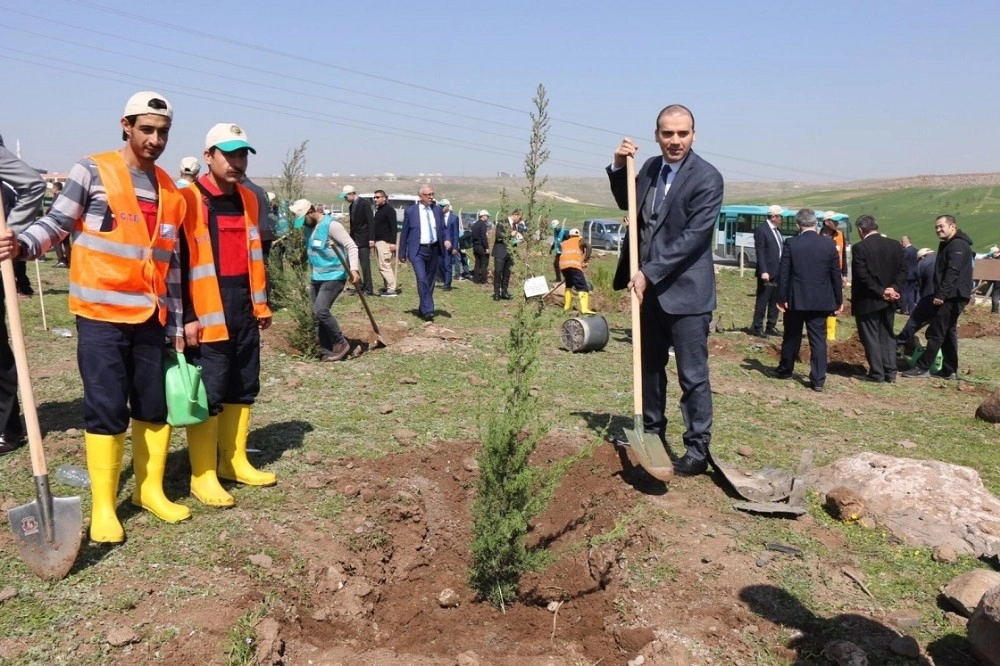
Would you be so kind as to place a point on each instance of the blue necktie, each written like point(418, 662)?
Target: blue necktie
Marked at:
point(430, 225)
point(661, 187)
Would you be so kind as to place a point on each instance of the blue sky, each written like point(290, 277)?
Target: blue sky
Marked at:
point(781, 90)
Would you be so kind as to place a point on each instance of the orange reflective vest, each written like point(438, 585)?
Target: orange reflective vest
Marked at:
point(121, 275)
point(203, 281)
point(571, 255)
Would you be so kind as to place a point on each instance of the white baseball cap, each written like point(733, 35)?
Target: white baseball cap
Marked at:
point(190, 166)
point(347, 189)
point(148, 102)
point(483, 212)
point(775, 210)
point(829, 215)
point(444, 203)
point(574, 232)
point(298, 209)
point(227, 137)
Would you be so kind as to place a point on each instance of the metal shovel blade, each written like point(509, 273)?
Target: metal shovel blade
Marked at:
point(48, 531)
point(649, 452)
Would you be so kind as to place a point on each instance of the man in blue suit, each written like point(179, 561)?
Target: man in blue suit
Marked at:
point(809, 290)
point(679, 196)
point(767, 240)
point(423, 242)
point(451, 235)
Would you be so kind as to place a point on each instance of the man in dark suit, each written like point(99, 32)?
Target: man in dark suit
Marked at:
point(451, 234)
point(767, 242)
point(910, 288)
point(422, 242)
point(879, 273)
point(679, 196)
point(481, 247)
point(502, 259)
point(361, 225)
point(809, 290)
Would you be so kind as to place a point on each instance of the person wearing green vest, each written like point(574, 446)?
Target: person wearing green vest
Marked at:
point(329, 275)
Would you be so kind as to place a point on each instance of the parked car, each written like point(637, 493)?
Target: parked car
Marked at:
point(603, 234)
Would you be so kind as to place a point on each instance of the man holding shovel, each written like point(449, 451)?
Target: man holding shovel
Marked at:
point(329, 275)
point(679, 196)
point(23, 190)
point(125, 216)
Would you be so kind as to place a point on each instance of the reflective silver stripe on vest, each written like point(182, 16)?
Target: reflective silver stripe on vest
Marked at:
point(257, 255)
point(102, 297)
point(203, 271)
point(110, 247)
point(213, 319)
point(161, 255)
point(260, 297)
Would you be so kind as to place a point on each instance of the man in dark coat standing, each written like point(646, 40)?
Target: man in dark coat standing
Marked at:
point(879, 273)
point(910, 289)
point(809, 290)
point(952, 292)
point(767, 240)
point(362, 215)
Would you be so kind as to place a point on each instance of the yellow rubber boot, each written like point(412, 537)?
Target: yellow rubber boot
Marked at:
point(203, 450)
point(104, 464)
point(150, 442)
point(234, 426)
point(585, 303)
point(568, 302)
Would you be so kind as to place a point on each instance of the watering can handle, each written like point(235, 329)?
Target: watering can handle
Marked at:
point(190, 387)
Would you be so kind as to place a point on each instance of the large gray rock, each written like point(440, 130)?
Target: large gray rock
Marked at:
point(925, 503)
point(965, 590)
point(984, 629)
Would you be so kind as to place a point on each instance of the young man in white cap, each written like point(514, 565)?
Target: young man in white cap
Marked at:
point(481, 247)
point(224, 314)
point(361, 215)
point(189, 171)
point(125, 216)
point(327, 244)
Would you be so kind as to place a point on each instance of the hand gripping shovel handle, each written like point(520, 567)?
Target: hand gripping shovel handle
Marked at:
point(364, 301)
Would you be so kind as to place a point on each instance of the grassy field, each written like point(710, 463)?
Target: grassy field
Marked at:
point(337, 412)
point(899, 211)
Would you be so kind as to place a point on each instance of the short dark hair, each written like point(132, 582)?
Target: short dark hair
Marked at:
point(950, 219)
point(382, 192)
point(674, 109)
point(516, 211)
point(866, 224)
point(131, 123)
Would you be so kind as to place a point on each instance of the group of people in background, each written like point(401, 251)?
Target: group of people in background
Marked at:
point(804, 276)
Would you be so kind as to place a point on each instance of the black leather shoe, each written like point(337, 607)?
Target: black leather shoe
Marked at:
point(775, 373)
point(445, 288)
point(496, 297)
point(10, 443)
point(506, 297)
point(427, 317)
point(688, 466)
point(915, 373)
point(772, 331)
point(818, 389)
point(758, 334)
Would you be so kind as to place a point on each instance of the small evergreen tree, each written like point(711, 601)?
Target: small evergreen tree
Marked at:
point(537, 155)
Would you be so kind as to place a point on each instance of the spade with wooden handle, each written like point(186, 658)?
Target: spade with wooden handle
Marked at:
point(47, 531)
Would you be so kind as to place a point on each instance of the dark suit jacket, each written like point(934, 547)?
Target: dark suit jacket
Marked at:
point(809, 277)
point(451, 230)
point(876, 263)
point(361, 221)
point(910, 259)
point(680, 267)
point(384, 224)
point(767, 250)
point(501, 237)
point(409, 236)
point(480, 238)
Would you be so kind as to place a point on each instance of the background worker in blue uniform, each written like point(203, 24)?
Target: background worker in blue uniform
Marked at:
point(329, 275)
point(224, 313)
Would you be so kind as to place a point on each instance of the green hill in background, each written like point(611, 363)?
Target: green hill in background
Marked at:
point(902, 207)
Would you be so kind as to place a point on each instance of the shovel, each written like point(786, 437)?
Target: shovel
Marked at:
point(49, 530)
point(378, 334)
point(649, 451)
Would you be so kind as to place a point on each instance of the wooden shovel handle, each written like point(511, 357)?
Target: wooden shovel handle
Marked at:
point(38, 466)
point(633, 263)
